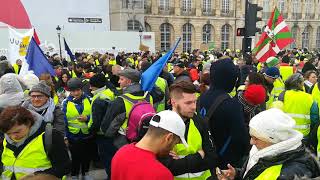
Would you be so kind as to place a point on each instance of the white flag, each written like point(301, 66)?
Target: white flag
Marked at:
point(18, 46)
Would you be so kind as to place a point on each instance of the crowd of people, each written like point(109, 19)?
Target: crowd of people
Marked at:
point(210, 115)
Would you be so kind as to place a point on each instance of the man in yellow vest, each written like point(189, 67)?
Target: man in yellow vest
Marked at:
point(274, 84)
point(277, 151)
point(77, 111)
point(17, 66)
point(102, 97)
point(196, 160)
point(115, 122)
point(299, 105)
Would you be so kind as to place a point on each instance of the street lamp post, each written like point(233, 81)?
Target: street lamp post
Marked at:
point(59, 33)
point(303, 39)
point(140, 35)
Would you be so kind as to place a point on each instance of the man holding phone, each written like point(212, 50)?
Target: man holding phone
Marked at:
point(199, 158)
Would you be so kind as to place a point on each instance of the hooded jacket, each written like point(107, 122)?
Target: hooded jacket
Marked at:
point(58, 154)
point(11, 92)
point(227, 125)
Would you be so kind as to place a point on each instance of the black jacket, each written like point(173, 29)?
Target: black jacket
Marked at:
point(227, 122)
point(297, 162)
point(194, 163)
point(58, 154)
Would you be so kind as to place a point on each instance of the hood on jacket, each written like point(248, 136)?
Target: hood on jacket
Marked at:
point(11, 93)
point(224, 75)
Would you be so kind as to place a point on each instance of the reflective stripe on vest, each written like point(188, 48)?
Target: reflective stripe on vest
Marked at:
point(297, 104)
point(128, 106)
point(286, 71)
point(194, 141)
point(162, 84)
point(31, 159)
point(271, 173)
point(105, 94)
point(72, 114)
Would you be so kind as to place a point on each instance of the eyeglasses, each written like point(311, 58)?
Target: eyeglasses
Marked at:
point(37, 96)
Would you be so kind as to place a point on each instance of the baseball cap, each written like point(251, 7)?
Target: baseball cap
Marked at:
point(272, 72)
point(172, 122)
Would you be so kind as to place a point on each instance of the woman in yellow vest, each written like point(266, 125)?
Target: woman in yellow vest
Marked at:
point(77, 111)
point(30, 147)
point(299, 104)
point(277, 151)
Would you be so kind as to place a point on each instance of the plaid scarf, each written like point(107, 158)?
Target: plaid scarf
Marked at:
point(249, 110)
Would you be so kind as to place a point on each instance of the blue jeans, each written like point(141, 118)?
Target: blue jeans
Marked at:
point(106, 151)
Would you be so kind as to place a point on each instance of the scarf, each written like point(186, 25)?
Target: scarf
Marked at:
point(308, 83)
point(248, 109)
point(288, 145)
point(46, 110)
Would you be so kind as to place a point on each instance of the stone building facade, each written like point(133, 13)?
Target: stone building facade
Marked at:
point(212, 21)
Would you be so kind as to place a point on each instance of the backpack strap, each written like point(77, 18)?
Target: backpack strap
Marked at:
point(214, 106)
point(48, 138)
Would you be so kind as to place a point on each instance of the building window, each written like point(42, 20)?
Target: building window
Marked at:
point(281, 5)
point(133, 25)
point(206, 6)
point(147, 27)
point(206, 33)
point(165, 34)
point(266, 10)
point(164, 5)
point(186, 5)
point(308, 8)
point(187, 37)
point(294, 32)
point(225, 36)
point(295, 8)
point(318, 38)
point(225, 6)
point(305, 37)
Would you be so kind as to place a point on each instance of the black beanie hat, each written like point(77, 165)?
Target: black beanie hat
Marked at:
point(98, 80)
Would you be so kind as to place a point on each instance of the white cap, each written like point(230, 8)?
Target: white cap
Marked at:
point(273, 126)
point(172, 122)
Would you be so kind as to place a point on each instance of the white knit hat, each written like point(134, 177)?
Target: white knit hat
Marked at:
point(272, 126)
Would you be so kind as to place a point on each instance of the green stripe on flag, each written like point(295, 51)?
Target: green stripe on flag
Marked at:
point(265, 41)
point(275, 18)
point(283, 35)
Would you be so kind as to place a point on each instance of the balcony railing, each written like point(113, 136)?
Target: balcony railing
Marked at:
point(296, 15)
point(208, 12)
point(227, 13)
point(188, 12)
point(309, 16)
point(168, 11)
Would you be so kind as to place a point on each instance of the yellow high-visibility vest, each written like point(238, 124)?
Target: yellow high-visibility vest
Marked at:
point(194, 141)
point(162, 84)
point(72, 114)
point(16, 68)
point(297, 104)
point(105, 94)
point(271, 173)
point(286, 72)
point(31, 159)
point(278, 87)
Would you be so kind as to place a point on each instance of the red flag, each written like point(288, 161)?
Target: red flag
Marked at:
point(35, 36)
point(275, 37)
point(13, 13)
